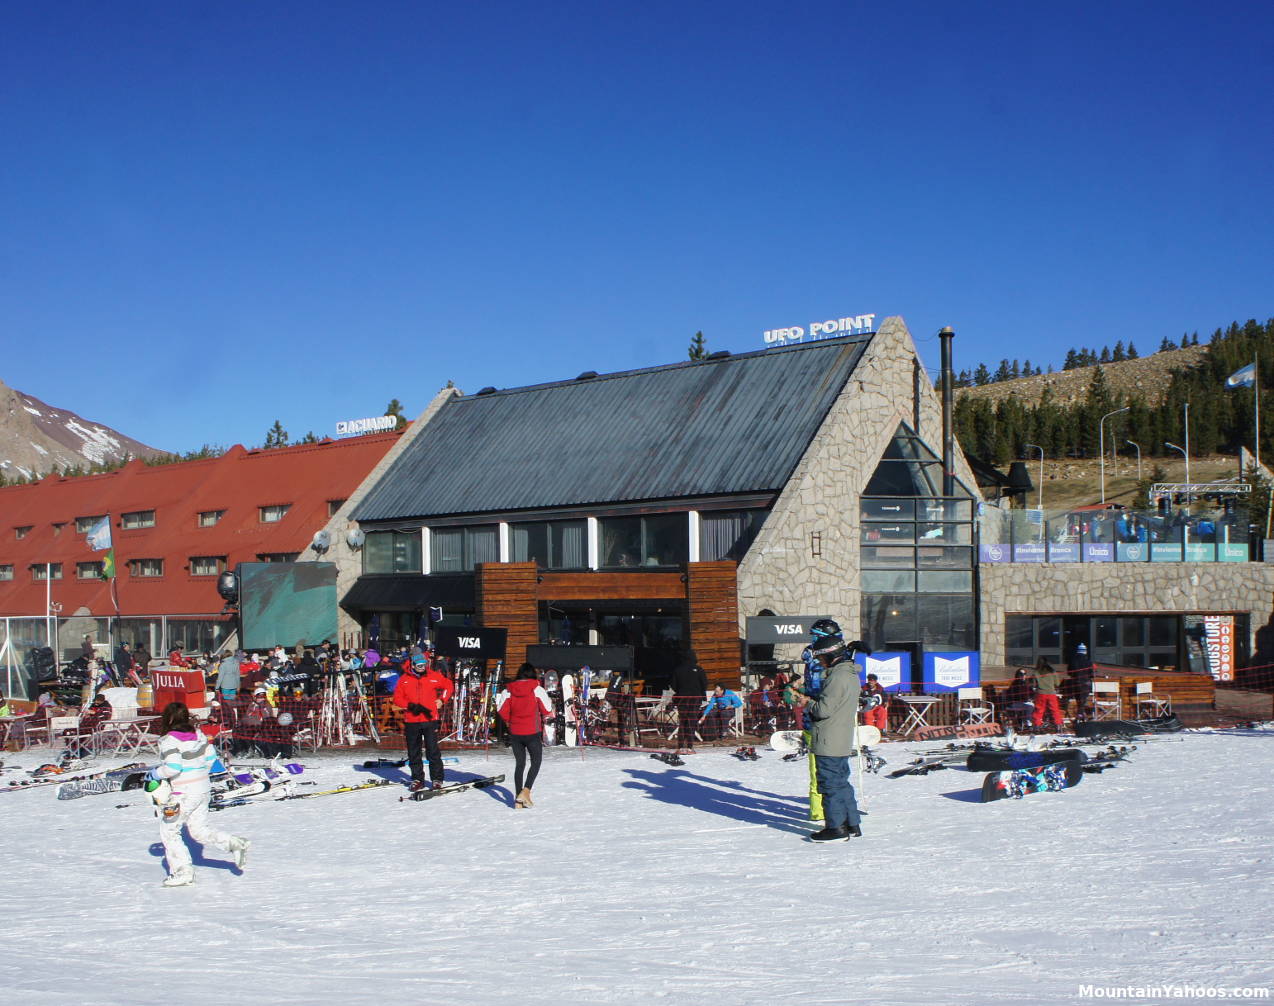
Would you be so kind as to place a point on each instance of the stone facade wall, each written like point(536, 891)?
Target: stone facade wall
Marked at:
point(780, 571)
point(1166, 588)
point(349, 562)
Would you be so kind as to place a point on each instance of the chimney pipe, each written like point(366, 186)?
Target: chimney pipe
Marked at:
point(948, 438)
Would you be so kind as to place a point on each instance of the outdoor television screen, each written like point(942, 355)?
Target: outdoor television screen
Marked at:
point(287, 603)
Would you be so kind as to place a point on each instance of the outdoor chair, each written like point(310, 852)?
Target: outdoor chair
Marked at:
point(1147, 701)
point(973, 707)
point(1107, 703)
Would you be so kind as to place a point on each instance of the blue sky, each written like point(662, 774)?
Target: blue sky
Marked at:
point(216, 215)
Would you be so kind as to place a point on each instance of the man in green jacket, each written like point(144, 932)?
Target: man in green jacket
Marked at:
point(833, 717)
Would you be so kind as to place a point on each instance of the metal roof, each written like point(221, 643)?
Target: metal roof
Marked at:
point(729, 425)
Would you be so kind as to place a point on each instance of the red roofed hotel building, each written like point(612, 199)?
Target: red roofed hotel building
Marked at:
point(174, 528)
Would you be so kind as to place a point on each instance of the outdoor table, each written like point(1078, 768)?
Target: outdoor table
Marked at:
point(918, 707)
point(123, 736)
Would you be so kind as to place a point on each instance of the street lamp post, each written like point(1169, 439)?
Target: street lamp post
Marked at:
point(1138, 446)
point(1101, 445)
point(1041, 450)
point(1184, 453)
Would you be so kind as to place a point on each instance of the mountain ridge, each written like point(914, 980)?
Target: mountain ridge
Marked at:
point(37, 439)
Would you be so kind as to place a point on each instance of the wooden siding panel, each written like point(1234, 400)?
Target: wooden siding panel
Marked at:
point(713, 603)
point(611, 586)
point(506, 597)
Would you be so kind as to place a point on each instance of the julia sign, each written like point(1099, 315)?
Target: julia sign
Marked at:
point(816, 330)
point(376, 424)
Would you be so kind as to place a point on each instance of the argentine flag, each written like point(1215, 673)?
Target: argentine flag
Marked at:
point(1244, 377)
point(99, 539)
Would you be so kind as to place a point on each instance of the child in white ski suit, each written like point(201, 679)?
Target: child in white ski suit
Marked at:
point(186, 759)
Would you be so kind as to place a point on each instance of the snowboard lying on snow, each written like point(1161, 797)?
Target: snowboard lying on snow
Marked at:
point(1017, 783)
point(993, 760)
point(1128, 728)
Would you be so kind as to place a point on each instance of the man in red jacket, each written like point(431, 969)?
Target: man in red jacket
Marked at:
point(422, 692)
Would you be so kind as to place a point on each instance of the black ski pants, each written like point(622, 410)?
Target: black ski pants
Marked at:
point(423, 735)
point(688, 707)
point(524, 744)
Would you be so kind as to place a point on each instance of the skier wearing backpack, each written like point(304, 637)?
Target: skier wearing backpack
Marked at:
point(180, 788)
point(833, 716)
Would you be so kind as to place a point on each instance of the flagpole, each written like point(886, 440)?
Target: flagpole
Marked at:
point(1256, 396)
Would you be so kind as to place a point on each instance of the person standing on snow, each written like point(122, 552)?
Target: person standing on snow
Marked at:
point(690, 689)
point(180, 788)
point(422, 692)
point(832, 718)
point(524, 706)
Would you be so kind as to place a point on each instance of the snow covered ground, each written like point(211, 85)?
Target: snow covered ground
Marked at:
point(633, 882)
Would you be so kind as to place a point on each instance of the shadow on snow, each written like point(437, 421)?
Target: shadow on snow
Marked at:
point(722, 797)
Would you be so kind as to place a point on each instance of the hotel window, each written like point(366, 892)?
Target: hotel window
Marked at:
point(6, 571)
point(209, 518)
point(554, 544)
point(89, 571)
point(460, 549)
point(146, 567)
point(274, 514)
point(392, 552)
point(57, 527)
point(136, 519)
point(207, 565)
point(42, 570)
point(22, 532)
point(653, 541)
point(83, 525)
point(333, 506)
point(277, 556)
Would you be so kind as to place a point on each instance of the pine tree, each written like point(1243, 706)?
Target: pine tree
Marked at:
point(1105, 355)
point(981, 375)
point(276, 436)
point(1166, 345)
point(1072, 360)
point(698, 348)
point(395, 409)
point(1132, 350)
point(1117, 354)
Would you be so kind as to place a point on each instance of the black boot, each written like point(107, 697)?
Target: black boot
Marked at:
point(855, 831)
point(838, 834)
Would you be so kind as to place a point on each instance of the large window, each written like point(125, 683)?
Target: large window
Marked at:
point(278, 556)
point(460, 549)
point(655, 540)
point(137, 518)
point(6, 571)
point(90, 571)
point(554, 544)
point(146, 567)
point(46, 570)
point(209, 518)
point(274, 513)
point(916, 554)
point(392, 552)
point(207, 565)
point(727, 534)
point(83, 525)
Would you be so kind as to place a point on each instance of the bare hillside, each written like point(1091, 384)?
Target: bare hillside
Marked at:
point(1146, 378)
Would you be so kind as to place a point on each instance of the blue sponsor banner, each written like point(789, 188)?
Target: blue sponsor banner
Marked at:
point(892, 670)
point(1099, 552)
point(995, 553)
point(1064, 553)
point(1232, 552)
point(1029, 553)
point(1165, 551)
point(1132, 551)
point(945, 672)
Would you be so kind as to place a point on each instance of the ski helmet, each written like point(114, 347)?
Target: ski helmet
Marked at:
point(826, 638)
point(419, 664)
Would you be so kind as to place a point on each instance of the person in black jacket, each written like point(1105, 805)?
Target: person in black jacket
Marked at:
point(690, 686)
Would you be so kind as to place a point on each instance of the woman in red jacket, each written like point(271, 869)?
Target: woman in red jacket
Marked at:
point(524, 706)
point(422, 692)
